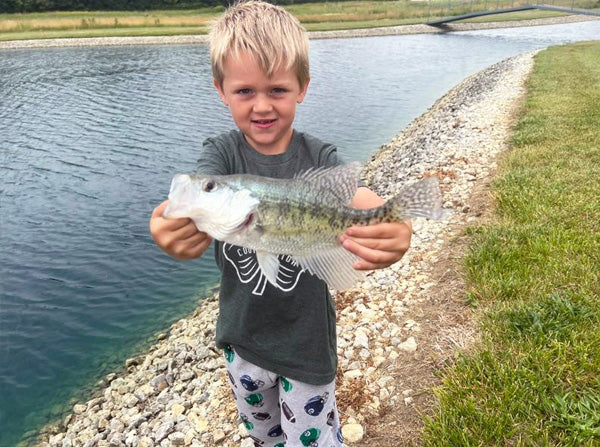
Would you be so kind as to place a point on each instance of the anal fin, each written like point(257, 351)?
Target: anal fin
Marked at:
point(269, 265)
point(334, 266)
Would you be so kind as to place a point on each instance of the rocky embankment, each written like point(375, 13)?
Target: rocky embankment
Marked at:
point(178, 395)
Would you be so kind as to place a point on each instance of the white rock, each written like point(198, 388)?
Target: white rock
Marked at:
point(369, 314)
point(145, 441)
point(218, 436)
point(410, 323)
point(364, 354)
point(177, 409)
point(353, 374)
point(117, 426)
point(383, 381)
point(384, 395)
point(177, 439)
point(361, 341)
point(354, 365)
point(79, 408)
point(353, 432)
point(378, 360)
point(131, 401)
point(410, 345)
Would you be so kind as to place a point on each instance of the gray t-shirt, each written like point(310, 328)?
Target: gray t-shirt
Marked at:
point(288, 329)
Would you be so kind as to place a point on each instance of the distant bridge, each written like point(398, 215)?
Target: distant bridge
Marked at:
point(445, 20)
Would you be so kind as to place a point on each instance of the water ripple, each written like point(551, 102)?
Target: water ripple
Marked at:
point(89, 141)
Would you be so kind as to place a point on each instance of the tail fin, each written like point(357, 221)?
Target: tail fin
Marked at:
point(421, 199)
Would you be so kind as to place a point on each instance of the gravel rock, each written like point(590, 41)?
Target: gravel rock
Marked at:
point(410, 345)
point(352, 432)
point(218, 436)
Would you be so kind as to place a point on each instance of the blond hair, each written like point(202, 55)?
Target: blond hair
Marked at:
point(271, 34)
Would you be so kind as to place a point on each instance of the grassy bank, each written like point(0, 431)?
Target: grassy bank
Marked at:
point(315, 16)
point(535, 273)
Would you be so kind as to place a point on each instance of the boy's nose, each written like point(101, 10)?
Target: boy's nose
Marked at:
point(262, 104)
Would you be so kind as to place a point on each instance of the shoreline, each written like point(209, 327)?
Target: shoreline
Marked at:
point(366, 32)
point(394, 330)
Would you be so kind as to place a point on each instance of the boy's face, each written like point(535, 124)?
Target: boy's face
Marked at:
point(263, 108)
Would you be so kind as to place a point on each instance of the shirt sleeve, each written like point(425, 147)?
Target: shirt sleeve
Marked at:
point(213, 159)
point(329, 157)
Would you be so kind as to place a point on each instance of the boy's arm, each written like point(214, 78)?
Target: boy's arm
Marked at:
point(179, 238)
point(379, 245)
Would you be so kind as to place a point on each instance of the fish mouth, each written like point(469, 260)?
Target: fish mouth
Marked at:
point(245, 224)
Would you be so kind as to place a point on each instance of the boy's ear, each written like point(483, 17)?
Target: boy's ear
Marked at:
point(220, 90)
point(303, 91)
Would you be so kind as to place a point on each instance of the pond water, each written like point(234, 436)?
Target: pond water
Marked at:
point(89, 140)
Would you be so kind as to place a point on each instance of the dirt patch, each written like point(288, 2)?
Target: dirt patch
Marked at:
point(449, 324)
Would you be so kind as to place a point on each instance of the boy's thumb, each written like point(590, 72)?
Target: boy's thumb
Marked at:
point(158, 211)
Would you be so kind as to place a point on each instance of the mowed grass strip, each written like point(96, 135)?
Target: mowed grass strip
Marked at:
point(535, 273)
point(106, 23)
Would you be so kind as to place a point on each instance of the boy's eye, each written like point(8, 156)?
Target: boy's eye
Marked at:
point(244, 91)
point(279, 91)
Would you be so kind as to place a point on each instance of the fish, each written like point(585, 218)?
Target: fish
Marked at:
point(301, 218)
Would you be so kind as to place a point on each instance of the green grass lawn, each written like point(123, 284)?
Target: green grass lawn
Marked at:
point(535, 273)
point(314, 16)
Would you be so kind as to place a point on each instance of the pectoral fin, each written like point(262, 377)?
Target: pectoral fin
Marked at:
point(334, 266)
point(269, 265)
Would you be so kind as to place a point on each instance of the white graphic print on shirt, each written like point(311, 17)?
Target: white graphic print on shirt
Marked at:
point(246, 266)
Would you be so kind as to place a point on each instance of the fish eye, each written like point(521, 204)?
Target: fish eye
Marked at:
point(210, 185)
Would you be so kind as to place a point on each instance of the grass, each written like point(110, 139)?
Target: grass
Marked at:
point(314, 16)
point(105, 23)
point(535, 273)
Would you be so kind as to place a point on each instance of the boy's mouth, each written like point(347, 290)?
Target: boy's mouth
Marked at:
point(263, 124)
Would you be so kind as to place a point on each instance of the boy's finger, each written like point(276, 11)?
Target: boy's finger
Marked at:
point(375, 244)
point(197, 237)
point(374, 258)
point(367, 231)
point(189, 248)
point(192, 247)
point(172, 229)
point(364, 265)
point(159, 224)
point(393, 245)
point(380, 230)
point(186, 231)
point(202, 241)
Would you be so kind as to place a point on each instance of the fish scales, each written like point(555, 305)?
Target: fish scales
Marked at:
point(299, 223)
point(302, 217)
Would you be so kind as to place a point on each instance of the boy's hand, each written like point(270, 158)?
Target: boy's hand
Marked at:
point(378, 245)
point(179, 238)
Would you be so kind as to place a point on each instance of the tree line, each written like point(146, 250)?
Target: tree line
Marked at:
point(114, 5)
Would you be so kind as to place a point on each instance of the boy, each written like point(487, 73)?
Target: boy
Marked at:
point(279, 341)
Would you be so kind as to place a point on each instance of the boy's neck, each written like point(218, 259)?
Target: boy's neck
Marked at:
point(277, 148)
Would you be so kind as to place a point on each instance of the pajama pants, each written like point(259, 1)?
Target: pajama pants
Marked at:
point(278, 411)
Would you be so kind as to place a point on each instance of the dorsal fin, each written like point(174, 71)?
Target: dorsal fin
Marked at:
point(340, 181)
